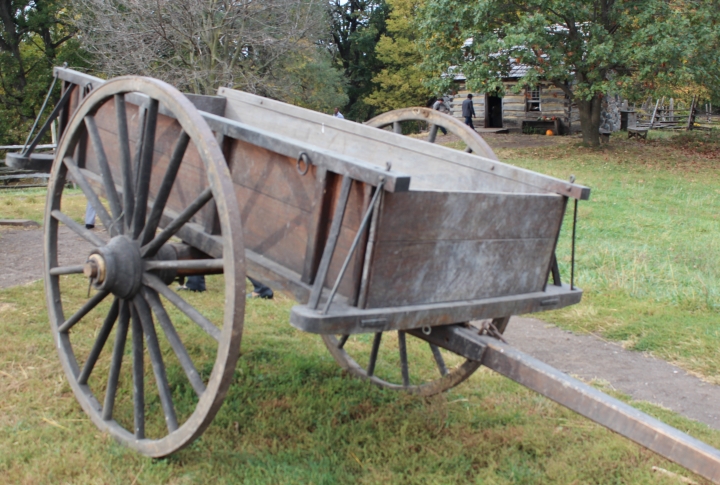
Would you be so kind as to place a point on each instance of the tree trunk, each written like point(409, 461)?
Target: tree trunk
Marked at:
point(590, 120)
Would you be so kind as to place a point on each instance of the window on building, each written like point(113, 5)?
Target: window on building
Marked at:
point(532, 99)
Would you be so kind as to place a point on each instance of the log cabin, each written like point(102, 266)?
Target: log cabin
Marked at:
point(518, 111)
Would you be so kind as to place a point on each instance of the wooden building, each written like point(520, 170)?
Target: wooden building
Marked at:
point(519, 112)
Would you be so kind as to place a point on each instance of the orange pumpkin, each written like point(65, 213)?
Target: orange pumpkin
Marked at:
point(549, 133)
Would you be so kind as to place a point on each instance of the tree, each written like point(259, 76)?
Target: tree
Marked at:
point(199, 45)
point(400, 84)
point(587, 48)
point(35, 35)
point(357, 26)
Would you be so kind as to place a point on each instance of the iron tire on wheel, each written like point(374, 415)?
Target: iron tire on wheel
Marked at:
point(448, 378)
point(435, 119)
point(126, 275)
point(443, 383)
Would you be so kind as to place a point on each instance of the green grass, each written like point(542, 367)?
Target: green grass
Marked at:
point(648, 250)
point(647, 260)
point(30, 204)
point(292, 416)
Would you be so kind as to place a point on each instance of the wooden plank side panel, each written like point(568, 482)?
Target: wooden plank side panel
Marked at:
point(273, 229)
point(434, 247)
point(430, 216)
point(408, 273)
point(276, 205)
point(192, 177)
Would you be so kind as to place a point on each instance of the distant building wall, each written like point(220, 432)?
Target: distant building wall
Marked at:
point(553, 102)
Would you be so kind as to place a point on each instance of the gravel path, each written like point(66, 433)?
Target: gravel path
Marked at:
point(585, 356)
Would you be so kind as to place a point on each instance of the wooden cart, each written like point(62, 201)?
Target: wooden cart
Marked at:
point(372, 232)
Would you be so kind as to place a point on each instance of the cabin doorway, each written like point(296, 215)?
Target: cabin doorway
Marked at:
point(493, 111)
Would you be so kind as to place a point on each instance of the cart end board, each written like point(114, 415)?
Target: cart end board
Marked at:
point(436, 247)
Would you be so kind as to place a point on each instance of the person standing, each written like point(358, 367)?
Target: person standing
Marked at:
point(439, 105)
point(89, 216)
point(468, 111)
point(338, 114)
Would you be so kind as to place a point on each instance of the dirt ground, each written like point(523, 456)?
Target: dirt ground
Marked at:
point(585, 356)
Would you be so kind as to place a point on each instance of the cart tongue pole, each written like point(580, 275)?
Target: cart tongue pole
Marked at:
point(615, 415)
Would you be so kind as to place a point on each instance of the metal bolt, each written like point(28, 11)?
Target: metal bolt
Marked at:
point(91, 269)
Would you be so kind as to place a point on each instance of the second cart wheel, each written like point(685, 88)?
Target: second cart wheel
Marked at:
point(435, 119)
point(402, 362)
point(148, 365)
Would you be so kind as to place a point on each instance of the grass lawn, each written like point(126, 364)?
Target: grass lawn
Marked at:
point(646, 259)
point(648, 244)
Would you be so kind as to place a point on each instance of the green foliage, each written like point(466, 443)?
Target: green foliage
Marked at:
point(357, 26)
point(293, 416)
point(585, 47)
point(34, 36)
point(309, 79)
point(400, 83)
point(274, 49)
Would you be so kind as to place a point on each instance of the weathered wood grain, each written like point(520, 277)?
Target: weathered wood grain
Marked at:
point(430, 216)
point(407, 273)
point(434, 246)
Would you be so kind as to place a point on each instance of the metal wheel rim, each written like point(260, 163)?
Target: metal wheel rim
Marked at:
point(454, 377)
point(471, 138)
point(223, 194)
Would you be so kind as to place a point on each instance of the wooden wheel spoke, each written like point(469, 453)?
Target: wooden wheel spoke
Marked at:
point(173, 338)
point(125, 161)
point(138, 370)
point(92, 197)
point(107, 178)
point(343, 340)
point(165, 188)
point(402, 347)
point(374, 354)
point(157, 362)
point(150, 249)
point(156, 284)
point(90, 237)
point(84, 310)
point(99, 342)
point(62, 270)
point(439, 360)
point(142, 111)
point(144, 168)
point(210, 265)
point(116, 362)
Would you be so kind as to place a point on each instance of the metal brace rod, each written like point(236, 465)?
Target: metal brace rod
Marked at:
point(361, 229)
point(572, 257)
point(28, 149)
point(42, 108)
point(331, 243)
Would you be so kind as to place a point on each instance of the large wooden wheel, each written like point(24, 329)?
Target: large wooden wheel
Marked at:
point(155, 167)
point(435, 119)
point(409, 363)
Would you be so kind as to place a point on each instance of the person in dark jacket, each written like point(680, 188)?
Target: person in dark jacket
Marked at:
point(468, 111)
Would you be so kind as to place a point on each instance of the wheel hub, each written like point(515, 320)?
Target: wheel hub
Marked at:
point(116, 267)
